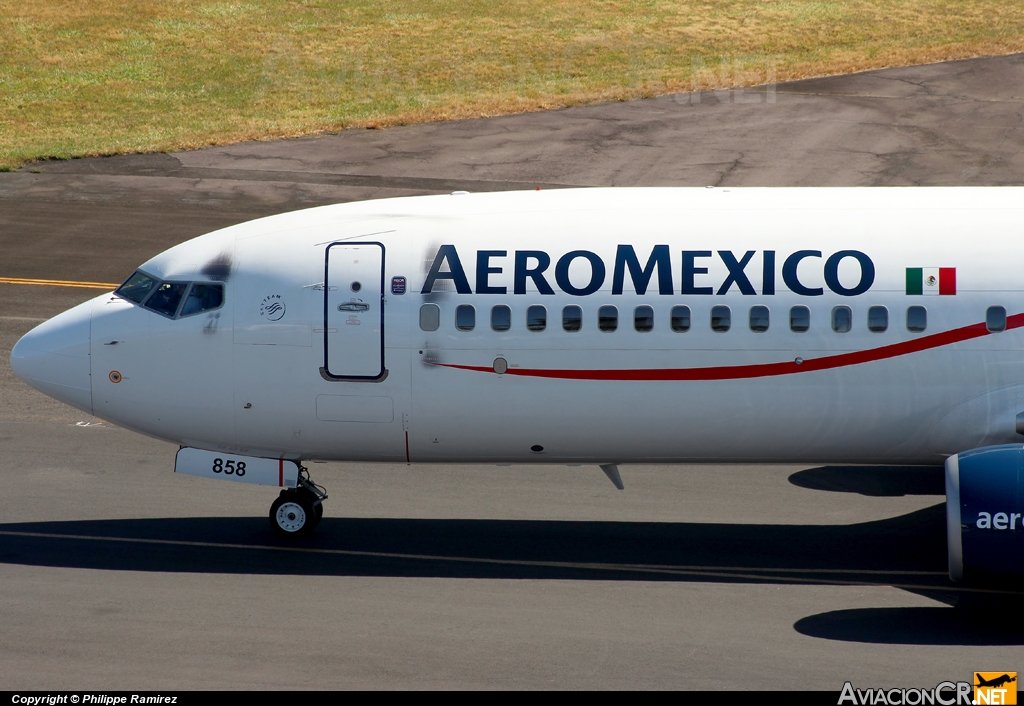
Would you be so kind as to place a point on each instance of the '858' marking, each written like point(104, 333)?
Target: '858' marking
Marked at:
point(229, 467)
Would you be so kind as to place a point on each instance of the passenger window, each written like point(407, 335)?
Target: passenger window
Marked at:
point(203, 297)
point(878, 319)
point(536, 318)
point(465, 317)
point(166, 298)
point(721, 318)
point(137, 287)
point(680, 318)
point(643, 318)
point(842, 319)
point(799, 319)
point(572, 318)
point(759, 318)
point(501, 318)
point(607, 318)
point(995, 318)
point(430, 317)
point(917, 319)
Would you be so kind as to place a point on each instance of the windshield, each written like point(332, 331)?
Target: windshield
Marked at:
point(137, 287)
point(166, 297)
point(203, 297)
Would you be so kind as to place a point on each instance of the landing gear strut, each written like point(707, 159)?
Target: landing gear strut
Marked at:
point(297, 511)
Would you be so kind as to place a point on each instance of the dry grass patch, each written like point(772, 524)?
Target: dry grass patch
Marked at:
point(94, 78)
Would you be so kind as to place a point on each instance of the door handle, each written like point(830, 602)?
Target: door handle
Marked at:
point(353, 306)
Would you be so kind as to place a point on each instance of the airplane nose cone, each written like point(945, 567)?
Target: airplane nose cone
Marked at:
point(54, 357)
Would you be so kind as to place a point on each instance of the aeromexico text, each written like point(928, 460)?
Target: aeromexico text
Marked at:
point(535, 266)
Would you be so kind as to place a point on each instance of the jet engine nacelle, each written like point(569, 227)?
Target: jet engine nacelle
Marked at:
point(984, 512)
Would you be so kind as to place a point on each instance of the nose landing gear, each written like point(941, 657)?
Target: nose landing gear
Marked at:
point(297, 511)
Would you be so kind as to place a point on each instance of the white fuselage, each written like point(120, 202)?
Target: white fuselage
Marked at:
point(290, 365)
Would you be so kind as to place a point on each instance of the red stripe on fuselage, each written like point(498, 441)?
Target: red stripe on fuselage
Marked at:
point(739, 372)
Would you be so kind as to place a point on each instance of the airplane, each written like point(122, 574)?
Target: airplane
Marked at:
point(599, 326)
point(997, 681)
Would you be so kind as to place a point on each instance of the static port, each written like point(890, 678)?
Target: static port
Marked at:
point(536, 448)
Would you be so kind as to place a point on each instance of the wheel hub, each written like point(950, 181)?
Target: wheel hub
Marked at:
point(291, 517)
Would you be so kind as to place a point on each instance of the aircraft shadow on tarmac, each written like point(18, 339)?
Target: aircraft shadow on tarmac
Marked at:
point(913, 626)
point(925, 626)
point(875, 481)
point(907, 552)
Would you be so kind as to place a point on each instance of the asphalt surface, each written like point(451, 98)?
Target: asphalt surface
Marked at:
point(117, 574)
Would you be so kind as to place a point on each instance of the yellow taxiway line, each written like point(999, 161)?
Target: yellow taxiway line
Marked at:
point(59, 283)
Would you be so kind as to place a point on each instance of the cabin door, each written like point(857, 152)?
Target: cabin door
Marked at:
point(354, 311)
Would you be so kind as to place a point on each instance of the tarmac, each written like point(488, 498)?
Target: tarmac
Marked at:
point(117, 574)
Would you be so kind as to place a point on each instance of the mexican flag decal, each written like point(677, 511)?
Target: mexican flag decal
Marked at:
point(931, 280)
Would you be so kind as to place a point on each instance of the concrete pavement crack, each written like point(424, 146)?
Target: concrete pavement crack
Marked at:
point(728, 170)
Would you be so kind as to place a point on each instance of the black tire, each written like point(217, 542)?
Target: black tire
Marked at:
point(318, 514)
point(292, 515)
point(314, 500)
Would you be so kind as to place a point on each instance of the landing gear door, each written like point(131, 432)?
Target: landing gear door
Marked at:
point(354, 312)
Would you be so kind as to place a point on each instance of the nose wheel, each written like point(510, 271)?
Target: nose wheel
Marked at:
point(297, 511)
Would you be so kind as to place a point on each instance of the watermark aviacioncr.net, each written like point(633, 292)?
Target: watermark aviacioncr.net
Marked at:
point(988, 689)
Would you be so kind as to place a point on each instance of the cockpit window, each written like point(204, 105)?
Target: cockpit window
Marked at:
point(137, 287)
point(166, 298)
point(203, 297)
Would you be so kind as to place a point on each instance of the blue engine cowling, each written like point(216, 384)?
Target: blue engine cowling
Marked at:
point(984, 513)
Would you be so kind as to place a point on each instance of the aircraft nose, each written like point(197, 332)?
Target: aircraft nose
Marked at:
point(54, 357)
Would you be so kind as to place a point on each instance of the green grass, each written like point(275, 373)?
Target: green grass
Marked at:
point(93, 77)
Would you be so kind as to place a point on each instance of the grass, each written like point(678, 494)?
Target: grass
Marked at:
point(104, 77)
